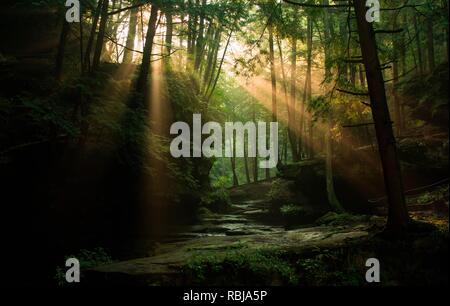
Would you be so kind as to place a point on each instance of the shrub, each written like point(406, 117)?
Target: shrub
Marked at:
point(291, 210)
point(248, 267)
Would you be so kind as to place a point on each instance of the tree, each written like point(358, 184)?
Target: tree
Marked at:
point(142, 79)
point(398, 216)
point(101, 35)
point(128, 52)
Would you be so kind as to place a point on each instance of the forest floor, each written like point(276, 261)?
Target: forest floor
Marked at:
point(246, 246)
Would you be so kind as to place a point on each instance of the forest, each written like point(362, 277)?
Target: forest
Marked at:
point(346, 99)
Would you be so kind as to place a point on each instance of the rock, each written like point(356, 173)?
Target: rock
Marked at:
point(166, 267)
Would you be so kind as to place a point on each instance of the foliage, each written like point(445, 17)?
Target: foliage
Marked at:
point(330, 268)
point(216, 200)
point(291, 210)
point(243, 267)
point(280, 191)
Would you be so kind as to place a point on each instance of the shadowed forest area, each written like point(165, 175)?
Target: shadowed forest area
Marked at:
point(86, 167)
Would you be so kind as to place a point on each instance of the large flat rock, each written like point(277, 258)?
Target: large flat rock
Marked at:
point(166, 264)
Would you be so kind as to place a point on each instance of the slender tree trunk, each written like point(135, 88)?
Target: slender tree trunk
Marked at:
point(220, 67)
point(200, 37)
point(308, 91)
point(233, 162)
point(292, 102)
point(212, 56)
point(274, 79)
point(255, 159)
point(403, 45)
point(362, 77)
point(398, 216)
point(272, 73)
point(286, 137)
point(100, 36)
point(247, 171)
point(214, 63)
point(418, 45)
point(90, 42)
point(81, 44)
point(207, 46)
point(61, 49)
point(289, 103)
point(190, 27)
point(402, 121)
point(111, 31)
point(332, 199)
point(128, 53)
point(430, 43)
point(141, 33)
point(169, 29)
point(395, 69)
point(445, 7)
point(267, 141)
point(331, 195)
point(142, 80)
point(303, 145)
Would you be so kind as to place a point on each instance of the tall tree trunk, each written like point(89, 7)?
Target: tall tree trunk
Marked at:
point(274, 80)
point(292, 102)
point(200, 37)
point(267, 141)
point(81, 25)
point(362, 77)
point(395, 69)
point(190, 29)
point(445, 7)
point(169, 29)
point(219, 70)
point(100, 36)
point(128, 53)
point(289, 104)
point(303, 145)
point(90, 43)
point(111, 31)
point(430, 44)
point(214, 63)
point(255, 159)
point(309, 146)
point(142, 80)
point(402, 121)
point(398, 216)
point(331, 194)
point(212, 57)
point(61, 49)
point(272, 73)
point(207, 46)
point(233, 162)
point(247, 171)
point(418, 45)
